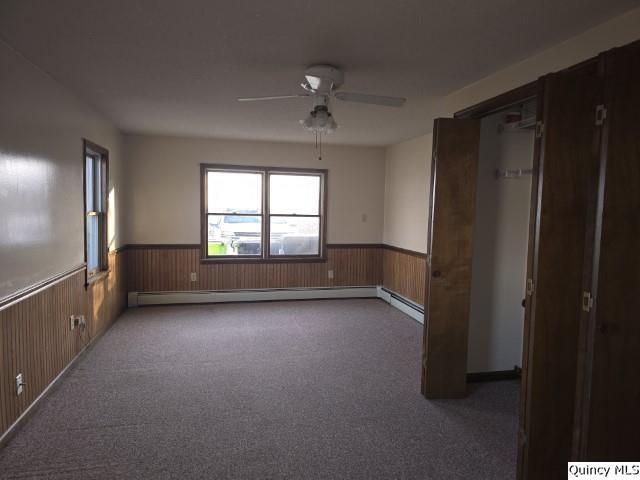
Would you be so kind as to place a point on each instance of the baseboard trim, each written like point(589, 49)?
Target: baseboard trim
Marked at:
point(136, 299)
point(403, 304)
point(494, 376)
point(412, 309)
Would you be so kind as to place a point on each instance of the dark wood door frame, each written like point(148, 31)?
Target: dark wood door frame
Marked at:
point(492, 105)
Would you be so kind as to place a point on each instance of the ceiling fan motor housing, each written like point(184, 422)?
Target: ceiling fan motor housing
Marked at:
point(322, 79)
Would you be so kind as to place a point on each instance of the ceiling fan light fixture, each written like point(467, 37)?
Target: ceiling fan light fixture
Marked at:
point(320, 120)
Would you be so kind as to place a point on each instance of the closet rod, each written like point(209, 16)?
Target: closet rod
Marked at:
point(517, 173)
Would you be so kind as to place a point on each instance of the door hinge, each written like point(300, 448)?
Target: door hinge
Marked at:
point(429, 259)
point(587, 301)
point(601, 114)
point(539, 129)
point(530, 287)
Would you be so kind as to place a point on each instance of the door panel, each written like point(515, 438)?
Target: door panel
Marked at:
point(531, 259)
point(567, 165)
point(609, 424)
point(448, 283)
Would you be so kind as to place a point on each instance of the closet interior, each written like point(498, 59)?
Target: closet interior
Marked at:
point(500, 239)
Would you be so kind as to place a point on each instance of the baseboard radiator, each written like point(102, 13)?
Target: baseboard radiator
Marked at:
point(138, 299)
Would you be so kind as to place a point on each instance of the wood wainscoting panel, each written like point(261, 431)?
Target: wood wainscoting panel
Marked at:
point(35, 335)
point(107, 297)
point(37, 342)
point(404, 272)
point(166, 268)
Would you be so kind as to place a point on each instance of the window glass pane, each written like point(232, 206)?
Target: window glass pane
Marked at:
point(92, 242)
point(97, 185)
point(89, 183)
point(294, 194)
point(234, 192)
point(294, 236)
point(234, 235)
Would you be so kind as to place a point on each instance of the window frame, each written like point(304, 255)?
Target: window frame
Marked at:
point(101, 154)
point(265, 215)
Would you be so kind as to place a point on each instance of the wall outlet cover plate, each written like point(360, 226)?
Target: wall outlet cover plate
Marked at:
point(19, 384)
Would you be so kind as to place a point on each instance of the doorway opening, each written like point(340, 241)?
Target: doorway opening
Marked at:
point(500, 241)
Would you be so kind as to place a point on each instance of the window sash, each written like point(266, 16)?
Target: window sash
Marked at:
point(244, 255)
point(96, 245)
point(248, 172)
point(265, 214)
point(95, 196)
point(273, 237)
point(318, 200)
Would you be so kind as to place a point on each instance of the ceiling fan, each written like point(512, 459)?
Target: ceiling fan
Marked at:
point(322, 82)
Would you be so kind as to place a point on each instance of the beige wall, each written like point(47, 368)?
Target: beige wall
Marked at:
point(403, 193)
point(163, 203)
point(42, 123)
point(407, 179)
point(614, 33)
point(41, 190)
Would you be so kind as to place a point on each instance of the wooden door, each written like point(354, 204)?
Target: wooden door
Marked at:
point(567, 166)
point(531, 263)
point(608, 420)
point(448, 283)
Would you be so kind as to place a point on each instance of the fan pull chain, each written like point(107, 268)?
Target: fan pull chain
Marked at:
point(318, 145)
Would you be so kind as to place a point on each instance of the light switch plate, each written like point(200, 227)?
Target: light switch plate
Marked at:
point(194, 277)
point(330, 273)
point(19, 384)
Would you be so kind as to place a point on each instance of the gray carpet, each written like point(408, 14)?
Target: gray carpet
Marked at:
point(313, 389)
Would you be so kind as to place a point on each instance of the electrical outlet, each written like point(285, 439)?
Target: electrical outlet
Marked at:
point(19, 384)
point(330, 273)
point(194, 277)
point(77, 321)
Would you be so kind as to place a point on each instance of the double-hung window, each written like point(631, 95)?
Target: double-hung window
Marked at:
point(258, 213)
point(95, 208)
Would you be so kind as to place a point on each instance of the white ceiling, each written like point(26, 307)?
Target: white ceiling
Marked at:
point(176, 67)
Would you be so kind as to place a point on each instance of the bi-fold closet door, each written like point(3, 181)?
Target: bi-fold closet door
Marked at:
point(567, 169)
point(581, 349)
point(454, 172)
point(607, 417)
point(580, 391)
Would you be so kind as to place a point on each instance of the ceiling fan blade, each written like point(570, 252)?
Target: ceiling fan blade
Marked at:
point(371, 99)
point(272, 97)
